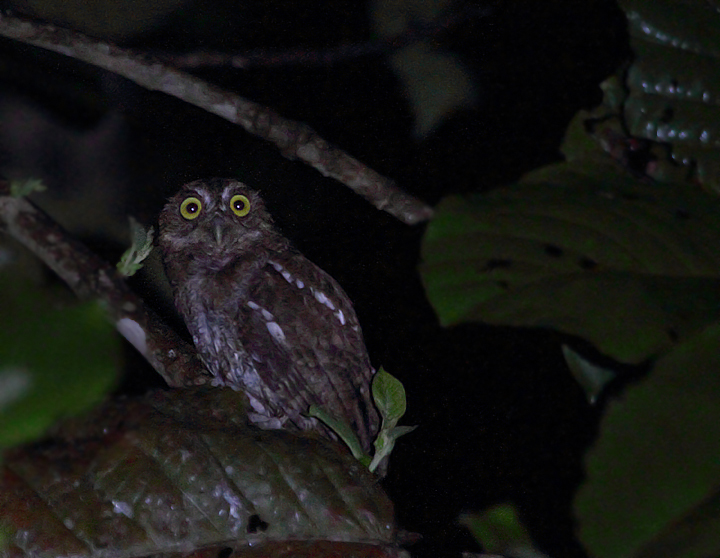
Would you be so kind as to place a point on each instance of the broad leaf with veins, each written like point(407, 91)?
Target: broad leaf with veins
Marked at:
point(178, 471)
point(585, 248)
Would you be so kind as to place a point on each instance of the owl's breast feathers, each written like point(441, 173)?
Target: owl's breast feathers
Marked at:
point(283, 330)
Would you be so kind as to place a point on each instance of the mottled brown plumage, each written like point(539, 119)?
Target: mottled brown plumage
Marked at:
point(263, 317)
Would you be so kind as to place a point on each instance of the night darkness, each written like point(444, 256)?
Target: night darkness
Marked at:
point(500, 418)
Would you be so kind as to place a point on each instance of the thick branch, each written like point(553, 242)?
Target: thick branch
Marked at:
point(295, 140)
point(90, 277)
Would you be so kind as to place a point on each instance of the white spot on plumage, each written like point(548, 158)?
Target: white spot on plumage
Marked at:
point(284, 272)
point(340, 316)
point(322, 298)
point(276, 331)
point(267, 315)
point(256, 405)
point(299, 284)
point(252, 305)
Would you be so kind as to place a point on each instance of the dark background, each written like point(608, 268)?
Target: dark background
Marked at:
point(500, 418)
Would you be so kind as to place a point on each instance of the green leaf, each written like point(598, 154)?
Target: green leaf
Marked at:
point(389, 396)
point(499, 530)
point(142, 244)
point(179, 470)
point(674, 82)
point(21, 188)
point(436, 83)
point(343, 430)
point(385, 443)
point(583, 248)
point(658, 454)
point(54, 361)
point(695, 535)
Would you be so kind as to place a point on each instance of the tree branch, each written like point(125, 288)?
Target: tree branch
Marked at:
point(295, 139)
point(91, 278)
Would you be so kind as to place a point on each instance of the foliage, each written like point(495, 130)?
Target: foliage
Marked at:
point(661, 438)
point(501, 532)
point(619, 245)
point(19, 188)
point(142, 244)
point(389, 398)
point(586, 249)
point(54, 360)
point(180, 469)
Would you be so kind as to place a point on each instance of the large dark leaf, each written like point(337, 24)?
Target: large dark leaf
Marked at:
point(694, 535)
point(585, 248)
point(654, 473)
point(180, 471)
point(55, 359)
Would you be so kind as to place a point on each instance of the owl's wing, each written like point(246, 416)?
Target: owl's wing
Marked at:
point(300, 328)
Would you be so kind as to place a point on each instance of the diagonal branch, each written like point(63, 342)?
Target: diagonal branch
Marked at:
point(294, 139)
point(90, 277)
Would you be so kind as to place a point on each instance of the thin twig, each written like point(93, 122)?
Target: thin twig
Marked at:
point(295, 140)
point(90, 277)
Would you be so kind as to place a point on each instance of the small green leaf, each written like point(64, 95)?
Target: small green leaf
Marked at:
point(342, 429)
point(499, 530)
point(389, 396)
point(385, 442)
point(142, 244)
point(21, 188)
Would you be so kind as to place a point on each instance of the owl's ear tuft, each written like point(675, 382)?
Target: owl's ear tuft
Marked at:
point(190, 208)
point(240, 205)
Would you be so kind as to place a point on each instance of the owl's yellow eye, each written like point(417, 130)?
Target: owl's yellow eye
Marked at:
point(240, 205)
point(190, 208)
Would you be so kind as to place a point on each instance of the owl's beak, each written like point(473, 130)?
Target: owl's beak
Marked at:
point(218, 231)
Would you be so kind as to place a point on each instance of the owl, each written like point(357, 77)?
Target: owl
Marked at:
point(264, 319)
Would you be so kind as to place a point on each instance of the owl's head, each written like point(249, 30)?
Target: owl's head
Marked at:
point(216, 219)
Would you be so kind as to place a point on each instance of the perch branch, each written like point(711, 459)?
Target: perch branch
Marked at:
point(295, 140)
point(90, 278)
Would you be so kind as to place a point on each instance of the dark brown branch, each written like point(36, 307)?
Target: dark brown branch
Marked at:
point(90, 278)
point(295, 140)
